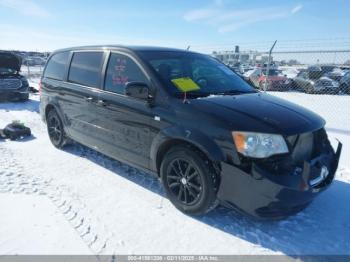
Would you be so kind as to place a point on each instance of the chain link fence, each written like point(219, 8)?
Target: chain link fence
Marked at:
point(314, 74)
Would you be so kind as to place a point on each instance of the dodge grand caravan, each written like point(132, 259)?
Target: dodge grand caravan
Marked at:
point(185, 117)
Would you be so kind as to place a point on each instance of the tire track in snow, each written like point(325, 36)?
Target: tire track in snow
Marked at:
point(14, 180)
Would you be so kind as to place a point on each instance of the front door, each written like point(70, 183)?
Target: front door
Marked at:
point(124, 121)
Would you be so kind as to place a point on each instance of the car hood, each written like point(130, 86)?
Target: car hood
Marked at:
point(9, 60)
point(260, 112)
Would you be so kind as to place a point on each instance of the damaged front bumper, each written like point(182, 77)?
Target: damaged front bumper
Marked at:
point(265, 195)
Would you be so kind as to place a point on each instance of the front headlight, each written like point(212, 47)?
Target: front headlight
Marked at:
point(259, 145)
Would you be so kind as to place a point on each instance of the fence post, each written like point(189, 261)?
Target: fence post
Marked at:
point(268, 66)
point(28, 71)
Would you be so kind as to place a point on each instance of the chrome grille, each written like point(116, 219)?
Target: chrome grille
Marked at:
point(10, 83)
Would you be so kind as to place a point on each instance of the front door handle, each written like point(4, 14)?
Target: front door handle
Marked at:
point(101, 103)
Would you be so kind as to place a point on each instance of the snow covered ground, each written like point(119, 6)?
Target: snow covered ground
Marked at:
point(335, 109)
point(79, 201)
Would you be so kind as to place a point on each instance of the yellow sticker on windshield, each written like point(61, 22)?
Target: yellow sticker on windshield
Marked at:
point(185, 84)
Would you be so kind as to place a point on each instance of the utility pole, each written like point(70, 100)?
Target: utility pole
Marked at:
point(268, 66)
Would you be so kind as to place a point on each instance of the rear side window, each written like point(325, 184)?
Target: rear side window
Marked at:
point(56, 66)
point(121, 70)
point(85, 68)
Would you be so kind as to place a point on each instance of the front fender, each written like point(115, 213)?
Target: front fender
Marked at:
point(189, 135)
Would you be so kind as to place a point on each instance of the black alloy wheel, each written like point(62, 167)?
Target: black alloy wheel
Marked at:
point(189, 180)
point(55, 129)
point(184, 181)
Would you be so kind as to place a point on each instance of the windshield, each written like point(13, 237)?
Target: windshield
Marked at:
point(209, 75)
point(6, 71)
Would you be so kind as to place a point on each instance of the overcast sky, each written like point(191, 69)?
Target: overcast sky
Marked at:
point(50, 24)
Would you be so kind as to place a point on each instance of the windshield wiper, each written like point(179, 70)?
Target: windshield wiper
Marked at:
point(193, 94)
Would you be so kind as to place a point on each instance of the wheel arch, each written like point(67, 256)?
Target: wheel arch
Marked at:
point(52, 106)
point(48, 108)
point(196, 140)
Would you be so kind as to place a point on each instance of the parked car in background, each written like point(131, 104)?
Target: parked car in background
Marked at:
point(324, 70)
point(345, 83)
point(13, 86)
point(275, 81)
point(311, 81)
point(328, 68)
point(336, 74)
point(34, 61)
point(247, 74)
point(191, 121)
point(290, 73)
point(243, 68)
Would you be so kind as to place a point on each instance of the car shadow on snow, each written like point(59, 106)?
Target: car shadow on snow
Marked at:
point(322, 228)
point(29, 105)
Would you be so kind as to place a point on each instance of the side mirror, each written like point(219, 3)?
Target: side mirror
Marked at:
point(138, 90)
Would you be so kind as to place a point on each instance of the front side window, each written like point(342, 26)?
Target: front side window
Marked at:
point(121, 70)
point(85, 68)
point(56, 67)
point(210, 76)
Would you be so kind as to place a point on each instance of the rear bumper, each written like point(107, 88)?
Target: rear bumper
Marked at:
point(266, 195)
point(14, 95)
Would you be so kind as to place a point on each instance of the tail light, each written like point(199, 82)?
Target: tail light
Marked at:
point(40, 87)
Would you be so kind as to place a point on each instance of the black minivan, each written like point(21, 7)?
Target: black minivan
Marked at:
point(185, 117)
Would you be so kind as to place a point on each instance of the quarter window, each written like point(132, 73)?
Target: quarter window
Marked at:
point(121, 70)
point(56, 66)
point(85, 68)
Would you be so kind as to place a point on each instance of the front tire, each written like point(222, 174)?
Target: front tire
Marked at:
point(55, 129)
point(189, 180)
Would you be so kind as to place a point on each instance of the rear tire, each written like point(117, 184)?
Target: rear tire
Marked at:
point(55, 129)
point(189, 180)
